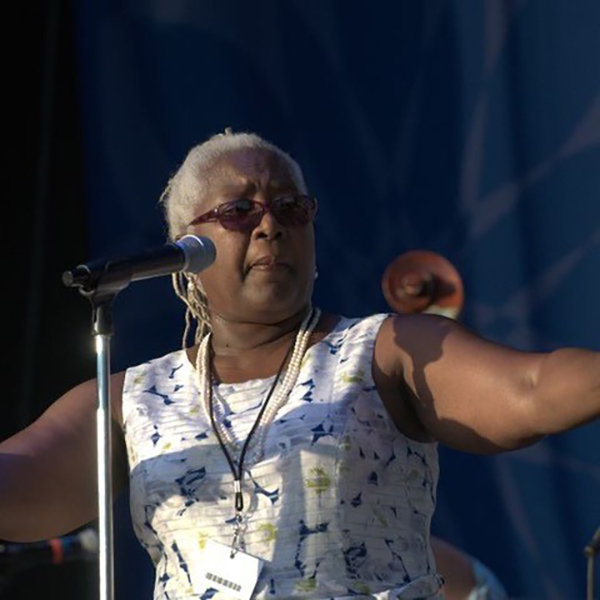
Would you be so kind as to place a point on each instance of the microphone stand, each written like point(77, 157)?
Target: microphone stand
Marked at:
point(100, 282)
point(101, 290)
point(102, 331)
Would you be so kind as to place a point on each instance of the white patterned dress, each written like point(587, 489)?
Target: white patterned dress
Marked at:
point(339, 506)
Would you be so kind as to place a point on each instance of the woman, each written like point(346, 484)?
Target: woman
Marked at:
point(287, 453)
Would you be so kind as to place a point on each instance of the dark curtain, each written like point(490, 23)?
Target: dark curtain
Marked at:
point(470, 128)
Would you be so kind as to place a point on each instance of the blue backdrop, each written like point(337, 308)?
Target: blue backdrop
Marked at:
point(467, 127)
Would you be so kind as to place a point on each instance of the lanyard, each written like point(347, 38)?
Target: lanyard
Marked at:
point(238, 472)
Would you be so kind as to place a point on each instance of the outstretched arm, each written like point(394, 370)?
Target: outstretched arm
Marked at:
point(477, 396)
point(48, 482)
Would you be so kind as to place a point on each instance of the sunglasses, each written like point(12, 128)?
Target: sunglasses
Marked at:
point(244, 214)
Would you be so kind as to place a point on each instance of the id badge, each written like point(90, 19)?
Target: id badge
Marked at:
point(237, 576)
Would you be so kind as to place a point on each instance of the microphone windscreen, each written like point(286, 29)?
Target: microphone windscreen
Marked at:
point(199, 252)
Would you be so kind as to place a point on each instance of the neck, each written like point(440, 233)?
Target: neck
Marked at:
point(231, 337)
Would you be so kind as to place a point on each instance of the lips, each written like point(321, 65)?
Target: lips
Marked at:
point(268, 263)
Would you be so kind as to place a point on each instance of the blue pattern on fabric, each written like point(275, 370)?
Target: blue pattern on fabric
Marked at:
point(331, 507)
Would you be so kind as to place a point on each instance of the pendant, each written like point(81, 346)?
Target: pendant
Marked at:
point(240, 525)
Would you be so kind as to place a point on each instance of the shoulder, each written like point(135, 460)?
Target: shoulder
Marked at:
point(396, 349)
point(354, 337)
point(153, 375)
point(403, 338)
point(143, 374)
point(362, 327)
point(161, 364)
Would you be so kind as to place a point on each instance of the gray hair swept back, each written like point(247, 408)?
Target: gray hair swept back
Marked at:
point(189, 184)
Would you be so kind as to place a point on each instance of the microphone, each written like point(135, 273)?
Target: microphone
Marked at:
point(191, 254)
point(82, 545)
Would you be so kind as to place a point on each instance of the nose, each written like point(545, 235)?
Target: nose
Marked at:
point(268, 228)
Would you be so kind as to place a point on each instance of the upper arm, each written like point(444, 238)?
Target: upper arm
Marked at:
point(468, 393)
point(48, 481)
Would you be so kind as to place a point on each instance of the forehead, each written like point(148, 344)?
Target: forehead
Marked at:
point(247, 171)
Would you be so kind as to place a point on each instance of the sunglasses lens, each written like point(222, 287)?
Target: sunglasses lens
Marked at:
point(245, 214)
point(240, 215)
point(293, 210)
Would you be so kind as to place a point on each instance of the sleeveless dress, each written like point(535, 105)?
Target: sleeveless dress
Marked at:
point(339, 506)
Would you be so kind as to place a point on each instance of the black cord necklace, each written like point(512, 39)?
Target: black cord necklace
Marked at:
point(238, 472)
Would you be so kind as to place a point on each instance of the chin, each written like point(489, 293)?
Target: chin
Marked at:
point(276, 305)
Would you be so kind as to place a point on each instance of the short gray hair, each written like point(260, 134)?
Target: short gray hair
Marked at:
point(188, 186)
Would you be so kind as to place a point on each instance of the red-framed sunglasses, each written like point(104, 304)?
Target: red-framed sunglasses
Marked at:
point(245, 214)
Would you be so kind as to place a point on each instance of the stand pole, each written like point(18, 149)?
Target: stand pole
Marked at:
point(101, 286)
point(102, 331)
point(104, 470)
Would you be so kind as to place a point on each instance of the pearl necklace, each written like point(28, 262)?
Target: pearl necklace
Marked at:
point(280, 398)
